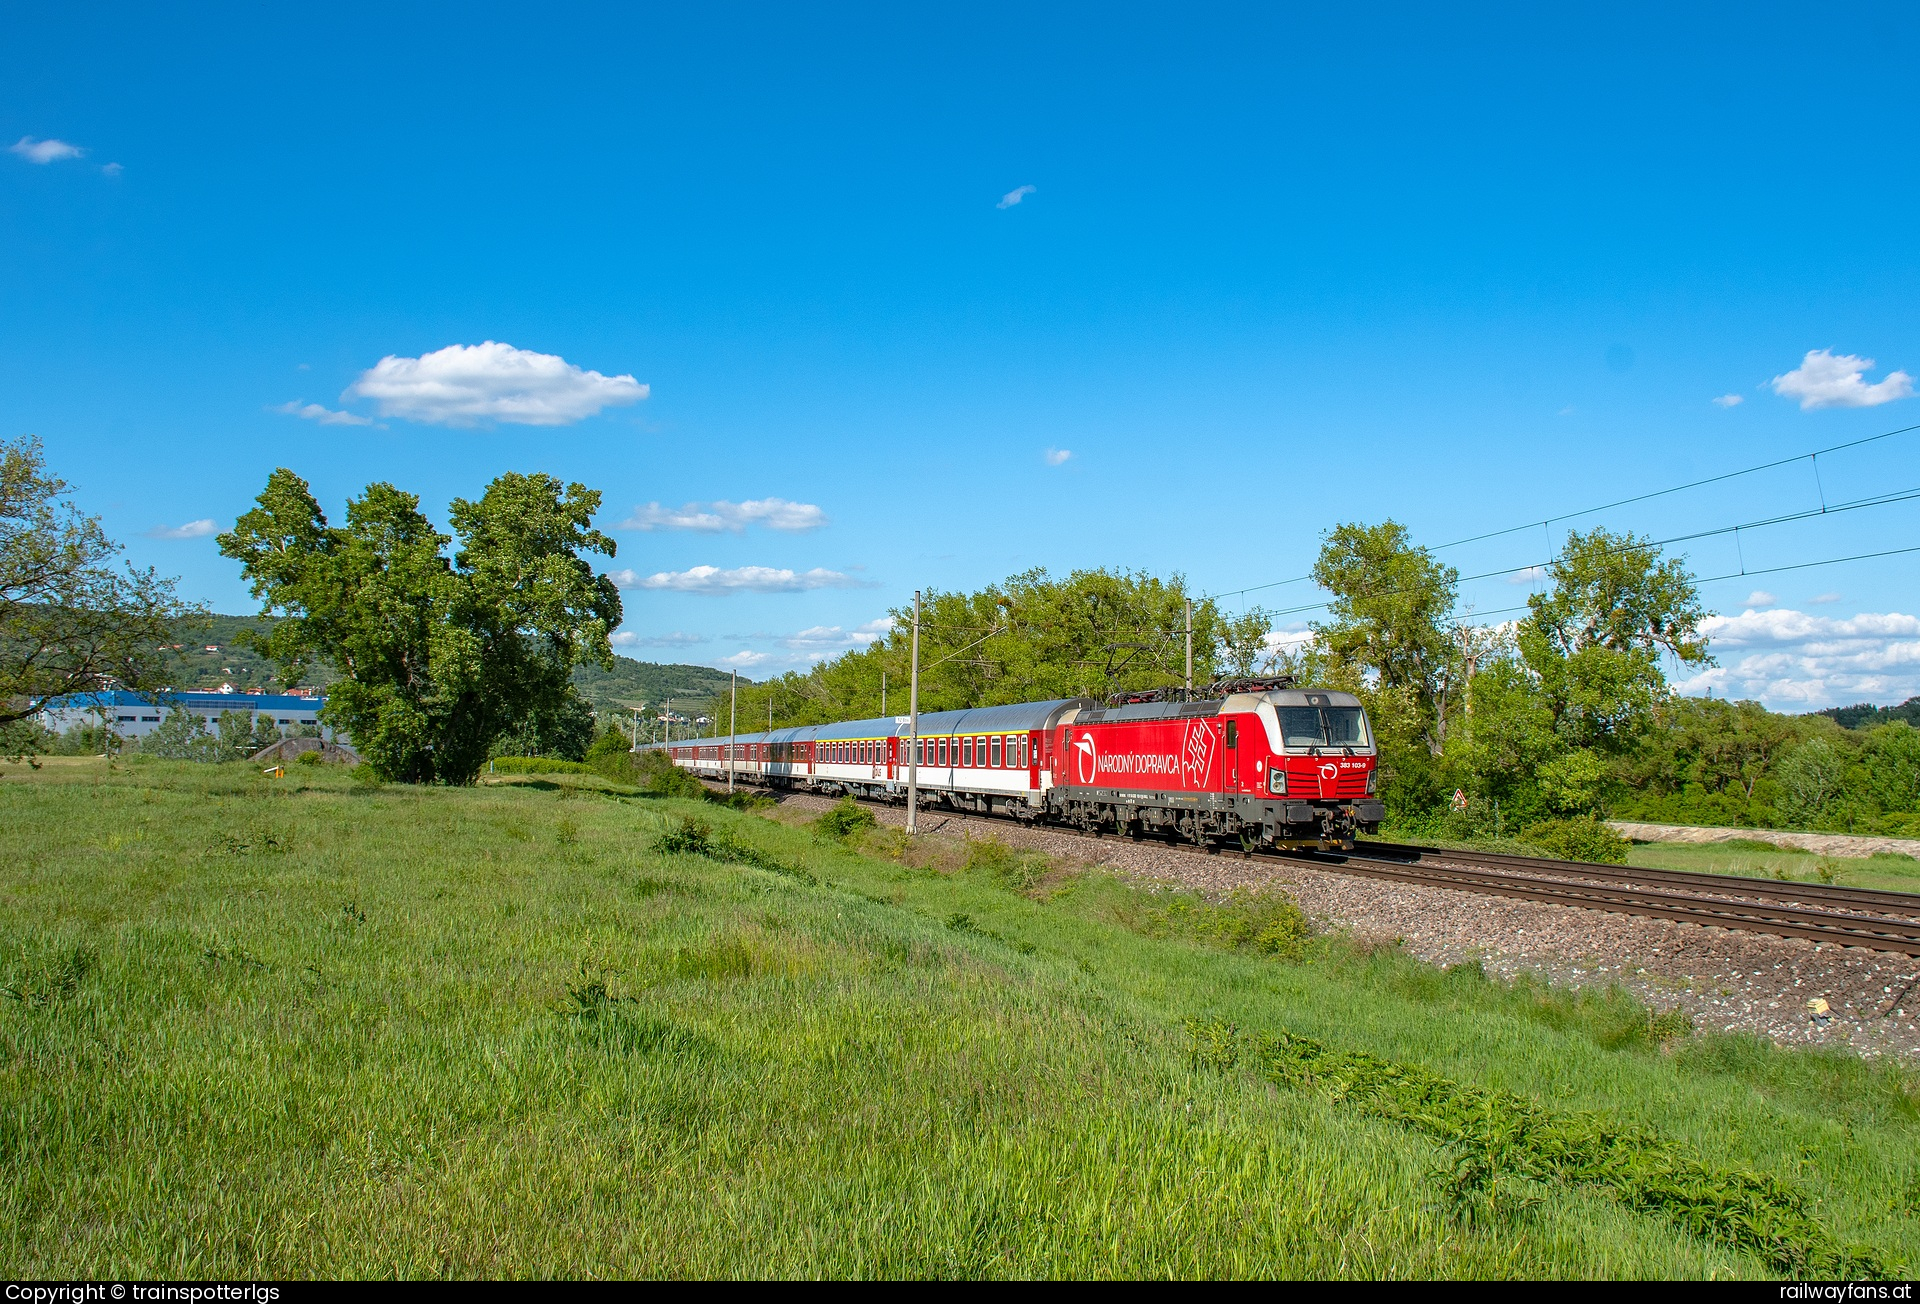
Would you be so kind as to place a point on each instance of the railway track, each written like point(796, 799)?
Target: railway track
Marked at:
point(1818, 912)
point(1881, 921)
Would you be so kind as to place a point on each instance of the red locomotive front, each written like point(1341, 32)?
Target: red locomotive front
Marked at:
point(1262, 766)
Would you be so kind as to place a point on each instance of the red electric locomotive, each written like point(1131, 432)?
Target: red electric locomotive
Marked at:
point(1247, 762)
point(1255, 761)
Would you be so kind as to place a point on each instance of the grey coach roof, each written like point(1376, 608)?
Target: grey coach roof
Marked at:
point(1019, 717)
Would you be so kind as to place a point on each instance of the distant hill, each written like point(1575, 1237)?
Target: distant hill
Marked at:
point(630, 684)
point(1865, 714)
point(209, 656)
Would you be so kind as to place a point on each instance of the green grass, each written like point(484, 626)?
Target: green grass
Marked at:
point(1756, 858)
point(548, 1027)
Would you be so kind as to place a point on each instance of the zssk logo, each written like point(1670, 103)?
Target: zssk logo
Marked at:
point(1329, 772)
point(1085, 760)
point(1198, 760)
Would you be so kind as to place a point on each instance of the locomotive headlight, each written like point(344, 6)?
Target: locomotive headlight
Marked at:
point(1370, 778)
point(1277, 782)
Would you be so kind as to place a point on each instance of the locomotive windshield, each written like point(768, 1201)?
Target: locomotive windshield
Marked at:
point(1323, 726)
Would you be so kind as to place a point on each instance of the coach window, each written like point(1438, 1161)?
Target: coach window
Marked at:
point(996, 752)
point(966, 751)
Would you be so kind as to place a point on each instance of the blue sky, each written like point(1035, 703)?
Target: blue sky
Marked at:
point(1268, 270)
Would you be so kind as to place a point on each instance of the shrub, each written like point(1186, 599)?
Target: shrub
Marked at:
point(696, 837)
point(1265, 923)
point(845, 820)
point(656, 772)
point(612, 755)
point(307, 758)
point(1578, 839)
point(1019, 870)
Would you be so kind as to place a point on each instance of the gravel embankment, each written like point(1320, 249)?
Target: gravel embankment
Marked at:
point(1726, 980)
point(1824, 844)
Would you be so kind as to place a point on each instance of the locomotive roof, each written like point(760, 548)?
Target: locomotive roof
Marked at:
point(1150, 711)
point(1232, 703)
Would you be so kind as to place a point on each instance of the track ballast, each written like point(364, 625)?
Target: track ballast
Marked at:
point(1817, 912)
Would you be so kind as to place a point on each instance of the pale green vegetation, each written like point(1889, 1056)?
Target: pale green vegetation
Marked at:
point(553, 1026)
point(1757, 858)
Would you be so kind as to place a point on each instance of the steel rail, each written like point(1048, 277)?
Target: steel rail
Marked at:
point(1879, 934)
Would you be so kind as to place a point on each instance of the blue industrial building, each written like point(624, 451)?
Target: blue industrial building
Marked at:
point(135, 715)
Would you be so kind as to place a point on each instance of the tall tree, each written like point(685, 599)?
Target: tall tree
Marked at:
point(1595, 638)
point(1617, 591)
point(1243, 641)
point(440, 656)
point(1031, 637)
point(1389, 621)
point(70, 619)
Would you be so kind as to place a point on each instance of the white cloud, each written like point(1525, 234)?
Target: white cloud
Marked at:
point(479, 384)
point(1795, 661)
point(748, 579)
point(1526, 575)
point(1824, 379)
point(744, 660)
point(1015, 195)
point(1057, 456)
point(112, 170)
point(1822, 599)
point(627, 638)
point(774, 513)
point(1291, 639)
point(191, 530)
point(1566, 411)
point(44, 151)
point(832, 638)
point(325, 416)
point(1729, 400)
point(1761, 598)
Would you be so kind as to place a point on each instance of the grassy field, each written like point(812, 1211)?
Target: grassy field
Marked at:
point(1747, 857)
point(308, 1027)
point(1757, 858)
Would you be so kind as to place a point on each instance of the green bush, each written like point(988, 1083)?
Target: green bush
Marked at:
point(846, 819)
point(1019, 870)
point(1578, 839)
point(1266, 923)
point(656, 772)
point(696, 837)
point(307, 758)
